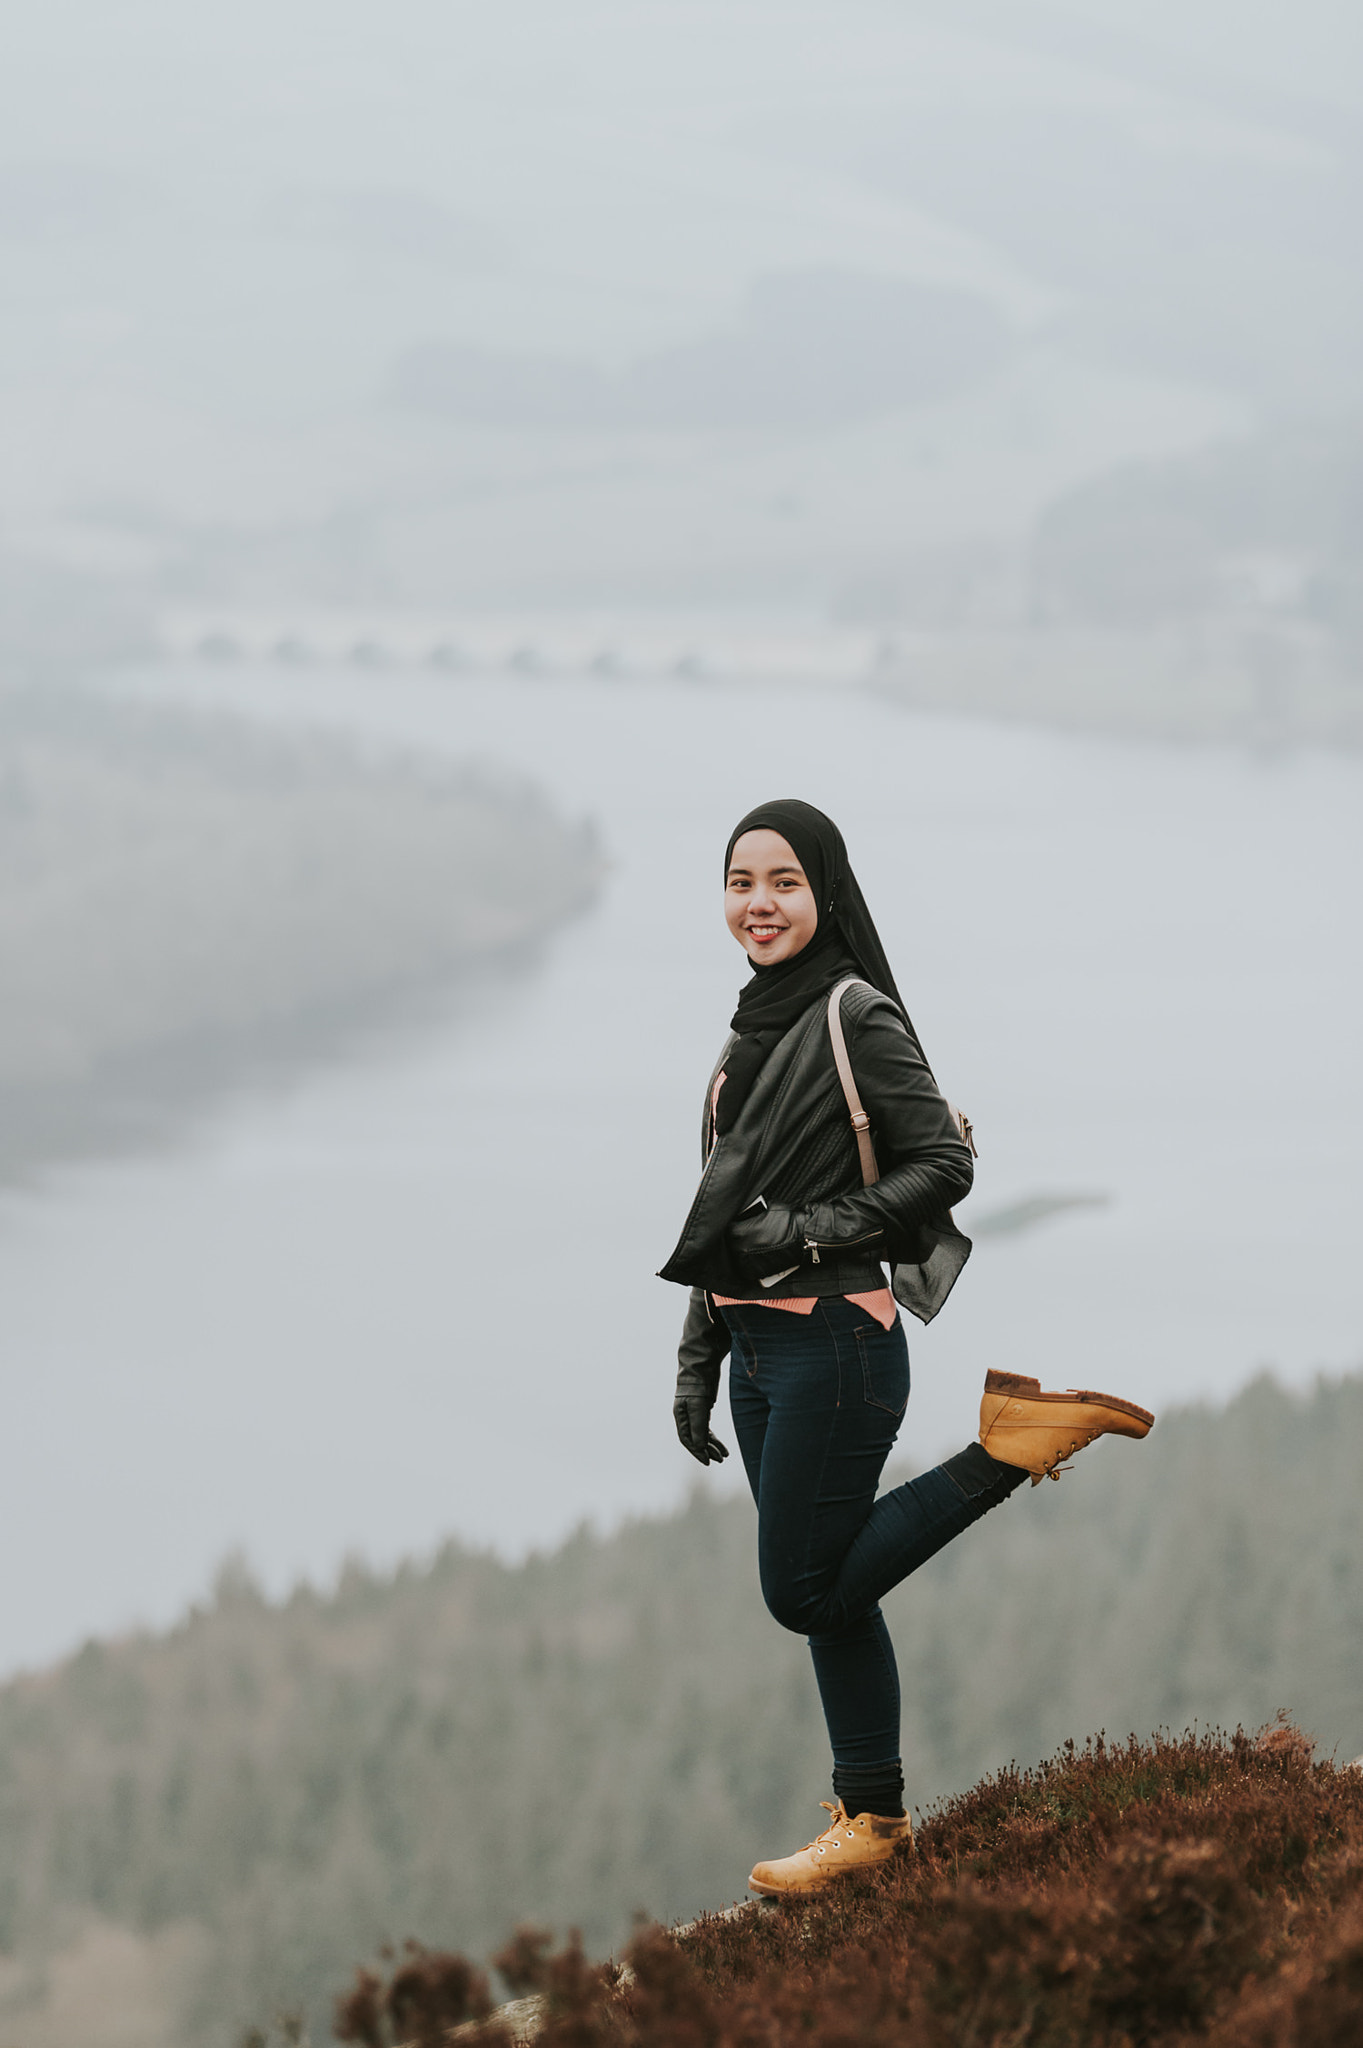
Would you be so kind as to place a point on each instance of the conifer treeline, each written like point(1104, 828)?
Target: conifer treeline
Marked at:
point(452, 1749)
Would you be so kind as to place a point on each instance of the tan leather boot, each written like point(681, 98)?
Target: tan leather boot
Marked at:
point(844, 1847)
point(1021, 1426)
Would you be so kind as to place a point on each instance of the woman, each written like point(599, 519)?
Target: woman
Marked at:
point(785, 1252)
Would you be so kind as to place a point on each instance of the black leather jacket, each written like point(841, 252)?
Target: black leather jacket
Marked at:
point(792, 1148)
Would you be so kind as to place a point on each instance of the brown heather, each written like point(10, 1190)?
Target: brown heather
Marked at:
point(1119, 1896)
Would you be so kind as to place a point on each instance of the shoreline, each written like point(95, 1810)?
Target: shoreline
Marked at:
point(194, 904)
point(153, 1099)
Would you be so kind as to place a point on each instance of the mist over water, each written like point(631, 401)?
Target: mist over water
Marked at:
point(412, 1293)
point(1022, 343)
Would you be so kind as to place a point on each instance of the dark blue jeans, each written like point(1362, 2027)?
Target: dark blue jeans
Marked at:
point(817, 1401)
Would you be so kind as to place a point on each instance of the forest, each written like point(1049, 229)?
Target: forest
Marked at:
point(244, 1808)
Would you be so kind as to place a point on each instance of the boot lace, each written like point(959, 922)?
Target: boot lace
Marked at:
point(1055, 1468)
point(836, 1827)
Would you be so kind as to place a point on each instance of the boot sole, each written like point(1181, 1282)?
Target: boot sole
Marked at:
point(807, 1891)
point(1024, 1389)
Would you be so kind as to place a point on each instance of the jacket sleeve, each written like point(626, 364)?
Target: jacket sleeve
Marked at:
point(704, 1343)
point(925, 1165)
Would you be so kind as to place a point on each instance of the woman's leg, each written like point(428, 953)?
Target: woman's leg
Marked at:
point(817, 1401)
point(813, 1455)
point(854, 1665)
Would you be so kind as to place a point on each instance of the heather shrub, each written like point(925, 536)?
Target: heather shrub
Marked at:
point(1314, 2001)
point(1136, 1895)
point(427, 1993)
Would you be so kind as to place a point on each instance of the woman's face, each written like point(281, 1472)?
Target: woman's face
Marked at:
point(768, 903)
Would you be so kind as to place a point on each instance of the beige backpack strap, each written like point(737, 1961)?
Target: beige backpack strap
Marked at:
point(861, 1123)
point(965, 1127)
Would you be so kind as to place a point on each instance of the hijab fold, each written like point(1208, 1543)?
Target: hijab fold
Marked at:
point(845, 943)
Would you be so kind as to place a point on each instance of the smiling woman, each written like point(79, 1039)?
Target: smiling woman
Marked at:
point(792, 1216)
point(768, 902)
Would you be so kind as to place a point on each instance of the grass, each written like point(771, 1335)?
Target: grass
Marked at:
point(1205, 1889)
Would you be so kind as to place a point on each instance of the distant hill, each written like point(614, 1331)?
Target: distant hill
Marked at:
point(1271, 522)
point(1212, 595)
point(218, 1823)
point(186, 899)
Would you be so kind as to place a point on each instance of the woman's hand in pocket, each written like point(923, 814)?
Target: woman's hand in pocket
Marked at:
point(765, 1240)
point(841, 1225)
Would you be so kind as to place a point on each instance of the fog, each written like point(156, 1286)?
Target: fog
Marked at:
point(457, 458)
point(620, 304)
point(414, 1291)
point(657, 401)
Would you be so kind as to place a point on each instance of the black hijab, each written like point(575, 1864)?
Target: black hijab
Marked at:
point(845, 943)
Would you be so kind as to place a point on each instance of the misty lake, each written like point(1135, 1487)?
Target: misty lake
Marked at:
point(411, 1293)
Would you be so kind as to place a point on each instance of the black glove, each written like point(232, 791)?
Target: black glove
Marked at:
point(766, 1241)
point(697, 1392)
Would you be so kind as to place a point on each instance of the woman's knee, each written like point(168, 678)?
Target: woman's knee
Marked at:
point(804, 1613)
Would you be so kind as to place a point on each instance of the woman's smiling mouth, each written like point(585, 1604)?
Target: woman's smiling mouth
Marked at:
point(765, 933)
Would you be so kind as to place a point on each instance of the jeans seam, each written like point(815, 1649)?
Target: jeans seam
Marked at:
point(827, 1447)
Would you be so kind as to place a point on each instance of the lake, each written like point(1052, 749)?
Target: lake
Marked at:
point(412, 1294)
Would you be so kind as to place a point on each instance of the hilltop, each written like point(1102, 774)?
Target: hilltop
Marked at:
point(1208, 1889)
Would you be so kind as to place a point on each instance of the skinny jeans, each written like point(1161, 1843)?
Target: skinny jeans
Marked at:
point(817, 1401)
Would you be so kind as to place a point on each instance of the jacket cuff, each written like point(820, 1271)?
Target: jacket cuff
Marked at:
point(704, 1340)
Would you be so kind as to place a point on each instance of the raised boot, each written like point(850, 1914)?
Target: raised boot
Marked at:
point(845, 1847)
point(1019, 1425)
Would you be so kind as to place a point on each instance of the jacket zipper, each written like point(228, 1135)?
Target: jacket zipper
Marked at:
point(847, 1244)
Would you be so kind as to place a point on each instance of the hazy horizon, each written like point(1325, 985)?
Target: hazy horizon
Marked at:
point(643, 303)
